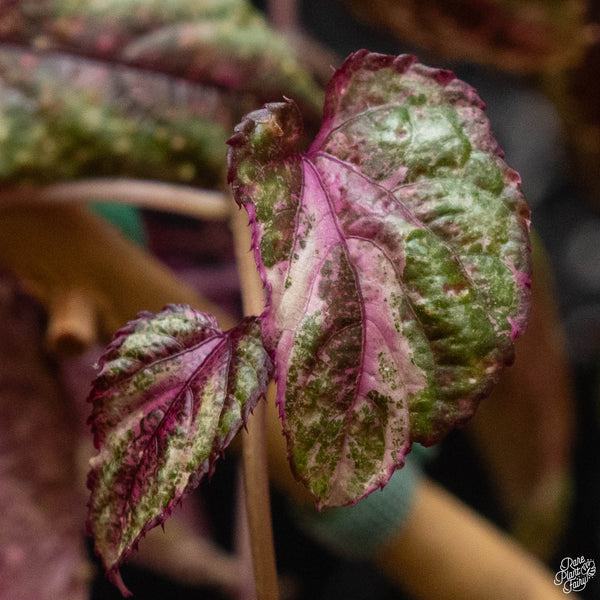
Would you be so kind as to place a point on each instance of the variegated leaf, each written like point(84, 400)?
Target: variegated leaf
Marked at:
point(396, 256)
point(172, 392)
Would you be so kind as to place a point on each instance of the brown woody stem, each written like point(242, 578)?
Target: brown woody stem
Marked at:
point(256, 476)
point(180, 199)
point(72, 322)
point(283, 14)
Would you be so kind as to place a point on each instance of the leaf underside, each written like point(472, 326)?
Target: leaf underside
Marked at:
point(396, 256)
point(172, 392)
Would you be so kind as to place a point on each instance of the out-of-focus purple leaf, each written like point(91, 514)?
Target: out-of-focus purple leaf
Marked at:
point(63, 117)
point(575, 93)
point(96, 27)
point(226, 43)
point(42, 555)
point(396, 256)
point(135, 88)
point(249, 58)
point(172, 392)
point(524, 36)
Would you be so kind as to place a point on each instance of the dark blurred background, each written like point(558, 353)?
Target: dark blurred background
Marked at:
point(533, 129)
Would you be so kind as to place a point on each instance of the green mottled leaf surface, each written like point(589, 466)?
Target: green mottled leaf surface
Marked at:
point(222, 42)
point(63, 118)
point(396, 256)
point(172, 392)
point(135, 88)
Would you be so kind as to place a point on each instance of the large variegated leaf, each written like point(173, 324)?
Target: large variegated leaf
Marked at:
point(396, 256)
point(172, 392)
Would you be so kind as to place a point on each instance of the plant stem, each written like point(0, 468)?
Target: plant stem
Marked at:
point(246, 588)
point(72, 322)
point(179, 199)
point(256, 474)
point(283, 14)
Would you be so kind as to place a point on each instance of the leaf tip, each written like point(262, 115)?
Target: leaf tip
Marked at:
point(265, 135)
point(115, 577)
point(444, 76)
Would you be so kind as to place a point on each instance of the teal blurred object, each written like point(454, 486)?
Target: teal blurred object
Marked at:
point(357, 532)
point(127, 218)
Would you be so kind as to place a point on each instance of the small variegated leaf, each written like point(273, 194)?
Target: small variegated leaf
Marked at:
point(172, 392)
point(396, 256)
